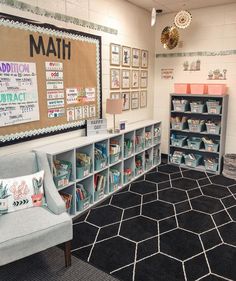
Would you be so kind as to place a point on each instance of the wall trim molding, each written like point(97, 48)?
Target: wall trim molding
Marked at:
point(197, 54)
point(57, 16)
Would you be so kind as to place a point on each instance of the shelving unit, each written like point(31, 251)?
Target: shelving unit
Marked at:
point(193, 133)
point(130, 150)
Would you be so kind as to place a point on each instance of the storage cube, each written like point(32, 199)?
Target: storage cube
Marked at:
point(139, 147)
point(192, 162)
point(198, 89)
point(148, 164)
point(113, 187)
point(216, 89)
point(194, 143)
point(148, 143)
point(138, 170)
point(197, 108)
point(213, 129)
point(128, 178)
point(127, 151)
point(180, 107)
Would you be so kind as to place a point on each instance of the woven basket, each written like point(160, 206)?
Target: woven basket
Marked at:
point(229, 170)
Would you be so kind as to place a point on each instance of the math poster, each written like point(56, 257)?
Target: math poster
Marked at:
point(18, 93)
point(46, 74)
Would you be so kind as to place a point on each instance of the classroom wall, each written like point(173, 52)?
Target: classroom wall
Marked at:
point(212, 30)
point(133, 26)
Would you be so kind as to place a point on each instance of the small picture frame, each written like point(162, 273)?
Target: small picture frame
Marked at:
point(114, 78)
point(114, 54)
point(125, 78)
point(126, 56)
point(115, 95)
point(144, 58)
point(135, 79)
point(135, 57)
point(134, 100)
point(143, 79)
point(125, 101)
point(143, 99)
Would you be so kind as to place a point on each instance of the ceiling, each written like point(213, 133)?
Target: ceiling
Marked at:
point(169, 6)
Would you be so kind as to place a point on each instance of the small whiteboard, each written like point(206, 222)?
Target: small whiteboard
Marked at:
point(96, 127)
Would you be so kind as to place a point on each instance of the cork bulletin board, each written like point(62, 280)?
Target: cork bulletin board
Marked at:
point(50, 79)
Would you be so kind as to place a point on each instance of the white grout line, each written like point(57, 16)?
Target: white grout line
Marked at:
point(121, 222)
point(90, 253)
point(135, 260)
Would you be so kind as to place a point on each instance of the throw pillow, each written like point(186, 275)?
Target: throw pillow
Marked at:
point(21, 192)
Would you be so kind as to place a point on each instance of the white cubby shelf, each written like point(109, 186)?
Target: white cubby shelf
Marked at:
point(66, 150)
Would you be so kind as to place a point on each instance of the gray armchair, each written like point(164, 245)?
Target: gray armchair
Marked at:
point(28, 231)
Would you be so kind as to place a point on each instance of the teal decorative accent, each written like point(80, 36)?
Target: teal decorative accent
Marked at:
point(197, 54)
point(57, 16)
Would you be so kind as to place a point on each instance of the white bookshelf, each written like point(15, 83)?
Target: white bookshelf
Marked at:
point(66, 150)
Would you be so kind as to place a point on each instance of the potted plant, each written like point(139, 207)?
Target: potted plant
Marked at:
point(216, 73)
point(38, 195)
point(3, 199)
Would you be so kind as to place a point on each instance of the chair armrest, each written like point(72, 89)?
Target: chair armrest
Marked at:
point(53, 198)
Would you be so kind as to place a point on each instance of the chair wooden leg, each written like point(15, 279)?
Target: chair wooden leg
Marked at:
point(67, 253)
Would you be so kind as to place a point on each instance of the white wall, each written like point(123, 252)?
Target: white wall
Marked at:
point(212, 29)
point(133, 25)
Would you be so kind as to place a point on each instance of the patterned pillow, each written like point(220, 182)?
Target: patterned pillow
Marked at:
point(21, 192)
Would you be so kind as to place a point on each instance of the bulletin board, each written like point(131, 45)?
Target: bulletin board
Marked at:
point(50, 79)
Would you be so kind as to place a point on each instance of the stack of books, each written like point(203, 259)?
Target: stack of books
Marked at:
point(81, 192)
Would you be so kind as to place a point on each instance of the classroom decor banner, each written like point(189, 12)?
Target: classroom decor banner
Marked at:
point(50, 79)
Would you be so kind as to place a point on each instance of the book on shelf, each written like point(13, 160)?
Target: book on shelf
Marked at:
point(99, 182)
point(114, 176)
point(81, 192)
point(114, 148)
point(67, 198)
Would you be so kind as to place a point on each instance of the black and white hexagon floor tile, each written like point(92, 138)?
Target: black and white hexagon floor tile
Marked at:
point(171, 224)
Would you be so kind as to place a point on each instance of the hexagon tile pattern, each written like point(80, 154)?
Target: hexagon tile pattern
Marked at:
point(172, 224)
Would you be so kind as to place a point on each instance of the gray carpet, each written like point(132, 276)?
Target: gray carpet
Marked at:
point(49, 265)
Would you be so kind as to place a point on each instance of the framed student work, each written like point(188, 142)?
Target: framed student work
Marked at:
point(126, 56)
point(40, 95)
point(143, 79)
point(143, 99)
point(125, 100)
point(115, 95)
point(134, 100)
point(114, 78)
point(135, 79)
point(114, 54)
point(144, 59)
point(135, 57)
point(125, 78)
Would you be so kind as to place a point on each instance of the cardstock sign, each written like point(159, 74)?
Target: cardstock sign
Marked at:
point(96, 127)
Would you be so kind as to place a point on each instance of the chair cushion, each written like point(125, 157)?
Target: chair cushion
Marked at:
point(21, 192)
point(29, 221)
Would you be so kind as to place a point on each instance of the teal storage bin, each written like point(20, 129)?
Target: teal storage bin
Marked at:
point(128, 178)
point(114, 158)
point(157, 139)
point(113, 187)
point(194, 143)
point(192, 162)
point(197, 108)
point(148, 164)
point(83, 204)
point(213, 129)
point(178, 140)
point(213, 108)
point(100, 163)
point(98, 195)
point(211, 147)
point(83, 171)
point(180, 107)
point(176, 159)
point(62, 180)
point(148, 143)
point(211, 167)
point(196, 128)
point(127, 151)
point(138, 171)
point(179, 125)
point(139, 147)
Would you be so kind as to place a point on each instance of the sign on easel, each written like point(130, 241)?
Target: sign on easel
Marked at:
point(96, 127)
